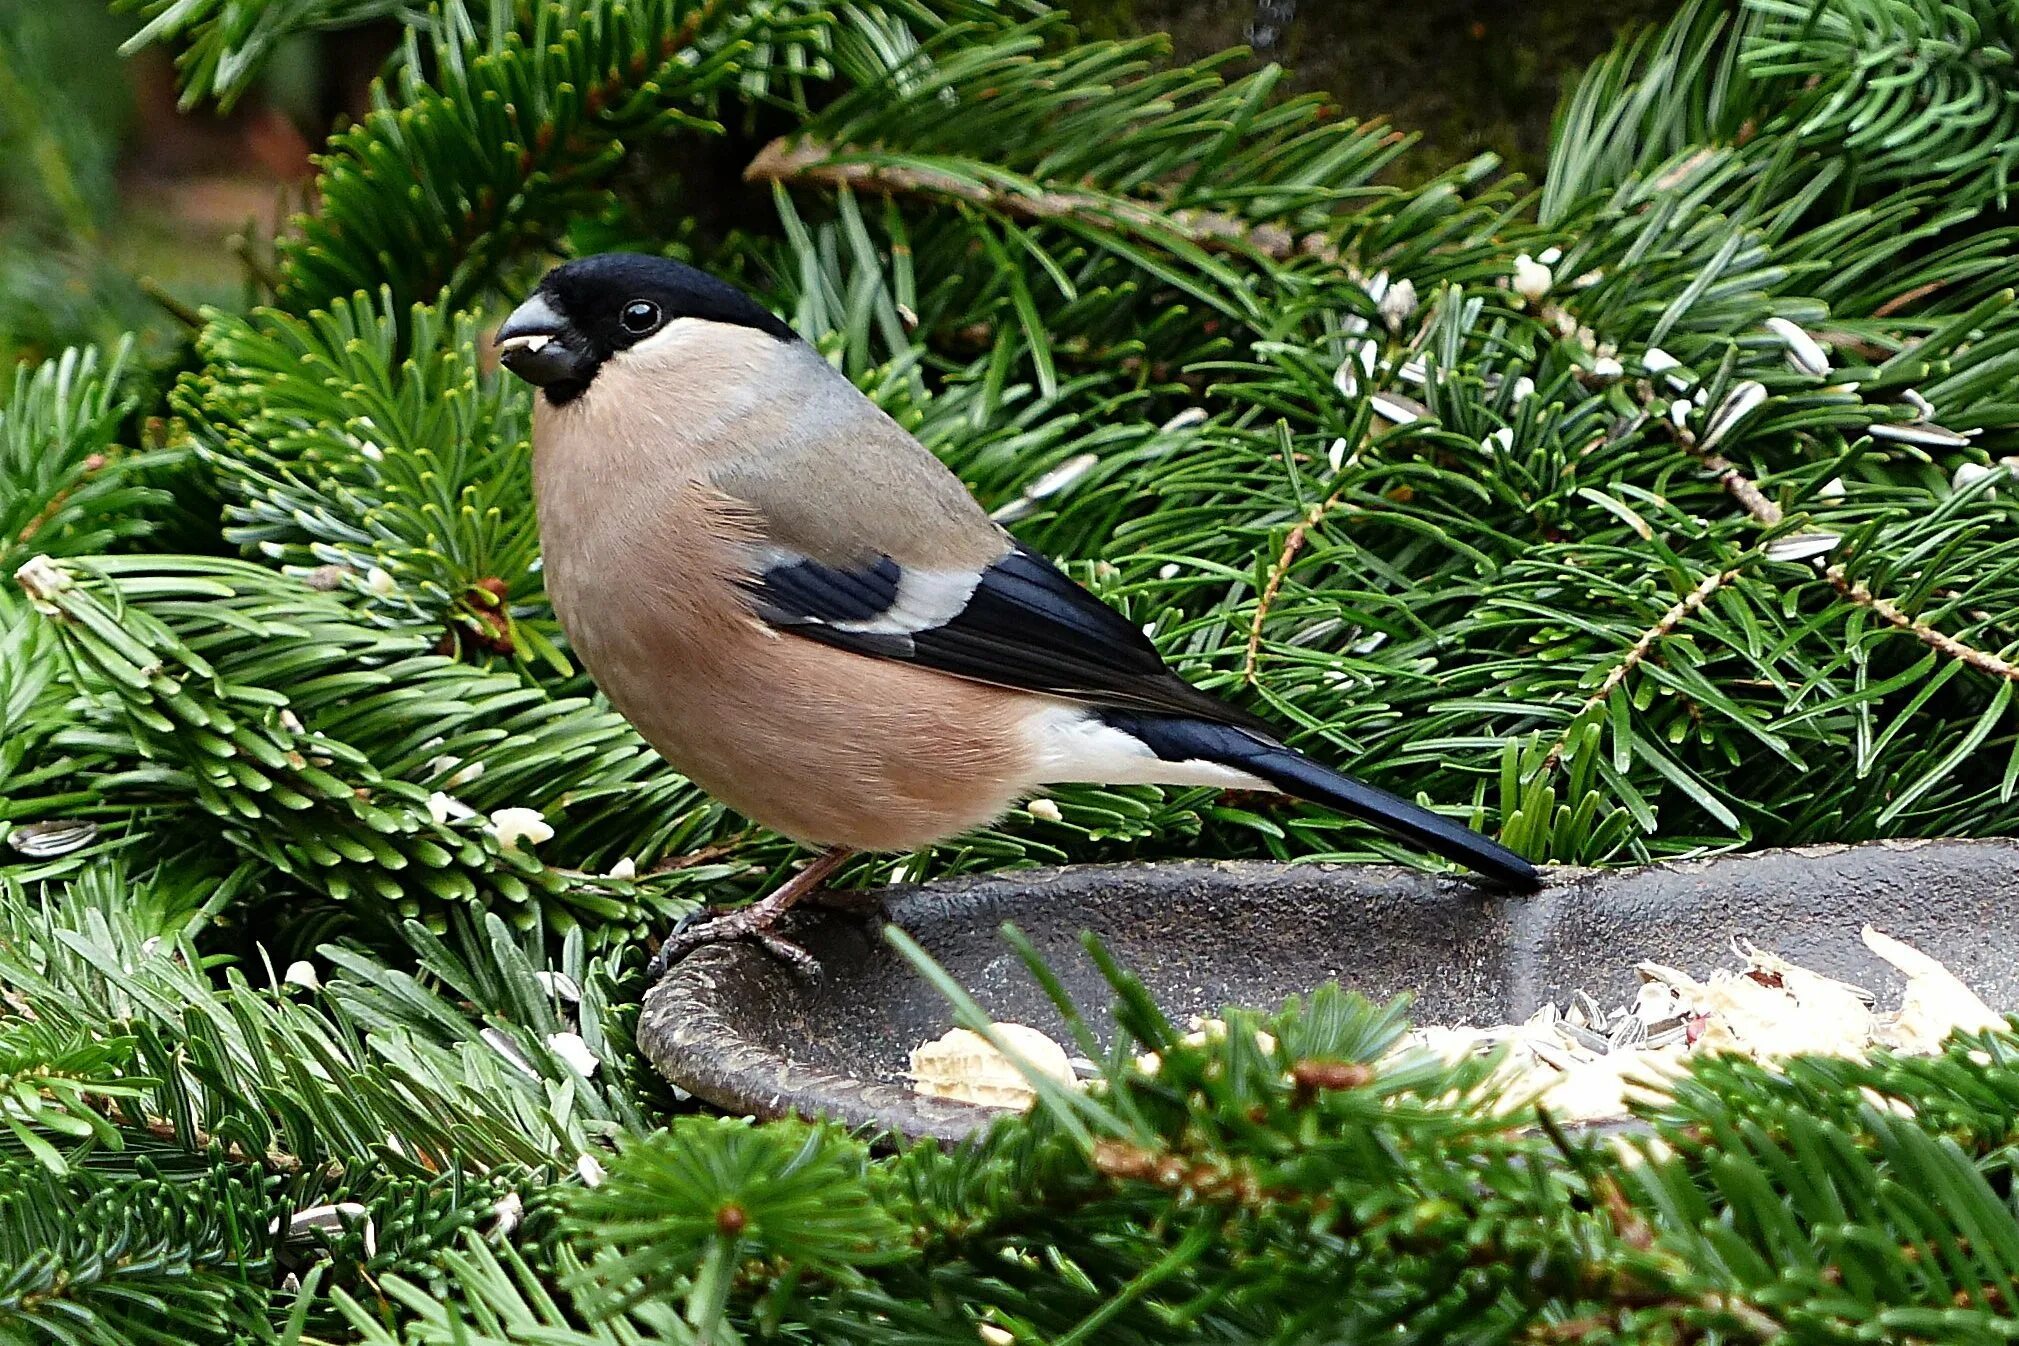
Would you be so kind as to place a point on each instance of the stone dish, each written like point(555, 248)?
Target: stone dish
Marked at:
point(740, 1031)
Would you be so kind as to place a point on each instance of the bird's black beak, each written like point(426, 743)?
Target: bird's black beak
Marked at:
point(538, 345)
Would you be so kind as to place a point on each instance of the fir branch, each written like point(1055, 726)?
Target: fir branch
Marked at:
point(1663, 627)
point(69, 486)
point(1983, 661)
point(1742, 489)
point(384, 1074)
point(516, 129)
point(807, 160)
point(1279, 570)
point(1747, 492)
point(226, 44)
point(150, 1261)
point(198, 1141)
point(52, 1082)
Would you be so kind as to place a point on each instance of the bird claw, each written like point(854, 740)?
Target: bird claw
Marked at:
point(803, 964)
point(691, 933)
point(753, 922)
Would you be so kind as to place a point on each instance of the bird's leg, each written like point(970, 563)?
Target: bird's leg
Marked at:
point(754, 922)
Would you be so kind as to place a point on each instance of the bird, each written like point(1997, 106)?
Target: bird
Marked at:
point(806, 613)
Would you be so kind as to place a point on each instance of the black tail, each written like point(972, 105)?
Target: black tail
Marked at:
point(1180, 740)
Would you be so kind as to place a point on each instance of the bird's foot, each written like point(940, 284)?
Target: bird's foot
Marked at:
point(753, 922)
point(748, 924)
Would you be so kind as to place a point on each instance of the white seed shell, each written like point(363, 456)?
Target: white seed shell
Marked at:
point(1744, 399)
point(964, 1065)
point(514, 825)
point(1969, 474)
point(1396, 305)
point(1532, 279)
point(1804, 353)
point(1936, 1002)
point(570, 1048)
point(1802, 546)
point(47, 841)
point(1062, 476)
point(1920, 435)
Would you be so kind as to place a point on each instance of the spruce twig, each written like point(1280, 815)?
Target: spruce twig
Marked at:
point(790, 160)
point(1663, 627)
point(1984, 661)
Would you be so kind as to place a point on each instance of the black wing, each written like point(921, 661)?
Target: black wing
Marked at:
point(1023, 623)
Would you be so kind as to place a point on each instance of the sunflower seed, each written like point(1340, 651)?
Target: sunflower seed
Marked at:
point(1397, 408)
point(1920, 435)
point(1062, 476)
point(1803, 352)
point(1742, 401)
point(1802, 546)
point(1584, 1037)
point(335, 1217)
point(46, 841)
point(1361, 358)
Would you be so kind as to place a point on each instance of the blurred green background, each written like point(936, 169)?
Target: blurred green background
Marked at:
point(116, 211)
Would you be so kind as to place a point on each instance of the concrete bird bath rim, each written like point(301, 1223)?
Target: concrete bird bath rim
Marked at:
point(736, 1028)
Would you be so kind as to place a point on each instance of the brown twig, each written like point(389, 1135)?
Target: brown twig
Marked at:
point(1900, 301)
point(1742, 489)
point(173, 306)
point(260, 270)
point(1839, 339)
point(1279, 572)
point(815, 161)
point(1747, 493)
point(1207, 1180)
point(1982, 660)
point(195, 1140)
point(1635, 656)
point(694, 859)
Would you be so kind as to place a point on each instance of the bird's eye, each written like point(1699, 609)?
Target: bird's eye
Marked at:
point(639, 316)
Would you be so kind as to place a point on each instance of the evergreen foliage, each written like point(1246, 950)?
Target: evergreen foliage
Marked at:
point(1658, 510)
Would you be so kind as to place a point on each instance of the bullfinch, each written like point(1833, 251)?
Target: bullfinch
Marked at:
point(810, 617)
